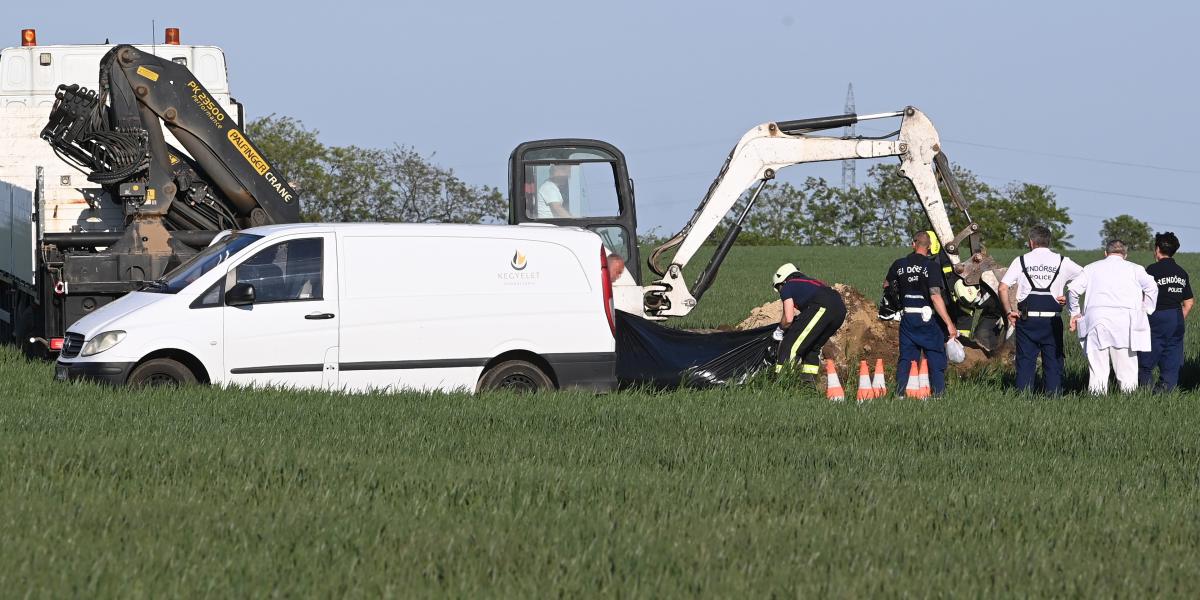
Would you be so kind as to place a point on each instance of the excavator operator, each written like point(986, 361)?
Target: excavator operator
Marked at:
point(550, 201)
point(812, 313)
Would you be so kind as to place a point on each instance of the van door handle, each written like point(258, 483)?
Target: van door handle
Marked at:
point(318, 316)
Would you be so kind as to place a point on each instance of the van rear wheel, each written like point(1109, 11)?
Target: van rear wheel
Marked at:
point(515, 376)
point(161, 372)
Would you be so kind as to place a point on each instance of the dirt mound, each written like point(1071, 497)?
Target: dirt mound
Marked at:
point(864, 336)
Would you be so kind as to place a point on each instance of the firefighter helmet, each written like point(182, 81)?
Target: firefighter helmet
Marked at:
point(782, 273)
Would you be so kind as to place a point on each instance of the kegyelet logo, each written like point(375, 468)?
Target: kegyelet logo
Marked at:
point(518, 261)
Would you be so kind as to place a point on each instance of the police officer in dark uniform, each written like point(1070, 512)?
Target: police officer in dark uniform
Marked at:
point(917, 280)
point(1039, 278)
point(812, 313)
point(1167, 323)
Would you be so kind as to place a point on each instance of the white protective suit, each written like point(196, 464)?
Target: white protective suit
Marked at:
point(1114, 326)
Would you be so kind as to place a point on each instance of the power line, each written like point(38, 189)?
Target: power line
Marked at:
point(1092, 191)
point(1080, 158)
point(691, 174)
point(1163, 225)
point(676, 176)
point(1104, 161)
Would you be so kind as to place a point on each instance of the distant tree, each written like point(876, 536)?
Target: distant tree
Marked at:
point(899, 212)
point(295, 151)
point(351, 183)
point(651, 238)
point(419, 191)
point(1136, 233)
point(886, 212)
point(1006, 216)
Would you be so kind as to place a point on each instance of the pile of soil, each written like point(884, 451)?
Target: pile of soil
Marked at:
point(864, 336)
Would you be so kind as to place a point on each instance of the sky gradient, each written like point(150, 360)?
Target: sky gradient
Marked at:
point(1092, 98)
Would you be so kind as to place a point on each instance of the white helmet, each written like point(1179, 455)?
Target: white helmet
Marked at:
point(781, 274)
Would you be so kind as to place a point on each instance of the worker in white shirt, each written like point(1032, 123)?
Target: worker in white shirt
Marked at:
point(1039, 276)
point(1113, 326)
point(550, 204)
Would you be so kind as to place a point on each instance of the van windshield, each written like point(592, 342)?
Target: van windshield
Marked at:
point(196, 266)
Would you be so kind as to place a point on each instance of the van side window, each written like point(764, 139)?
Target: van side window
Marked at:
point(285, 271)
point(213, 296)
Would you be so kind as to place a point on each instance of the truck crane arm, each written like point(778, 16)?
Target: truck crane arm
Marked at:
point(769, 147)
point(116, 133)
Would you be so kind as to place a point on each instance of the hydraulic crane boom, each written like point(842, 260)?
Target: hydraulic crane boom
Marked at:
point(766, 149)
point(115, 134)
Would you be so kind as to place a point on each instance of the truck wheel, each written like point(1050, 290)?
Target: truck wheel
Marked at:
point(161, 372)
point(515, 376)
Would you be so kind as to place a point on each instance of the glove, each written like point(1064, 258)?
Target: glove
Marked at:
point(778, 335)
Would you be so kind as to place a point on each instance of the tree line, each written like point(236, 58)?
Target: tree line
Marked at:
point(353, 183)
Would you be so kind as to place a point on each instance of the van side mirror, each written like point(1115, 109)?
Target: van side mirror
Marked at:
point(241, 294)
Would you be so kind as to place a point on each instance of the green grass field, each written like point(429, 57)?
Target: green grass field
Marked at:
point(766, 490)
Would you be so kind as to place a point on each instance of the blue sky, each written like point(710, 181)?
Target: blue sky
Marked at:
point(1094, 98)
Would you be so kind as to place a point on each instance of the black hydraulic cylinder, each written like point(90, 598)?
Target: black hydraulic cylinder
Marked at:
point(817, 123)
point(93, 239)
point(710, 272)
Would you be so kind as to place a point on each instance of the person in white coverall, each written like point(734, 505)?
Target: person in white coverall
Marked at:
point(1113, 326)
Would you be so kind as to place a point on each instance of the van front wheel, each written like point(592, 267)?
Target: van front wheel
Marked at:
point(161, 372)
point(515, 376)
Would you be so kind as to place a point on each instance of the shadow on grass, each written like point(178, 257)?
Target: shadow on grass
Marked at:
point(1189, 374)
point(1003, 375)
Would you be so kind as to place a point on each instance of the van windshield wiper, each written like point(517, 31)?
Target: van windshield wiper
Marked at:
point(151, 286)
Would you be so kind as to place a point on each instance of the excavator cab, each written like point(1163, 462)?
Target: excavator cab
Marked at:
point(576, 182)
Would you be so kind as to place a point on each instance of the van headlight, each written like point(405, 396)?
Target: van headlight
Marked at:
point(102, 342)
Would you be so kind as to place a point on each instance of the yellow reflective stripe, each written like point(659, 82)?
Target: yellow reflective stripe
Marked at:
point(810, 369)
point(804, 334)
point(947, 269)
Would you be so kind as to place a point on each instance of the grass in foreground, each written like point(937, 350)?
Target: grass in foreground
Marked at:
point(768, 490)
point(762, 490)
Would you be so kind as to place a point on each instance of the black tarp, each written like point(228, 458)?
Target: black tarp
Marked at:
point(650, 354)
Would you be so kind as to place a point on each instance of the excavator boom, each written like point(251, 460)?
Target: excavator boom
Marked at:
point(766, 149)
point(755, 160)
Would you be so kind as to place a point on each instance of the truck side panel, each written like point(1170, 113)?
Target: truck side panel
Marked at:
point(67, 190)
point(16, 233)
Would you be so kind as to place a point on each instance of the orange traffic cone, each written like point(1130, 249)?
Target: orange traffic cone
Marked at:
point(925, 391)
point(866, 391)
point(833, 387)
point(912, 389)
point(880, 382)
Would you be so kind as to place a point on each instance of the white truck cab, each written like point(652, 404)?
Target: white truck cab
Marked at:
point(365, 306)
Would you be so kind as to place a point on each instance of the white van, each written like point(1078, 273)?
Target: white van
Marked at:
point(365, 306)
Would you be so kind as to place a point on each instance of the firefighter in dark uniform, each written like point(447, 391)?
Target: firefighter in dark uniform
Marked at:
point(917, 281)
point(1167, 323)
point(812, 313)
